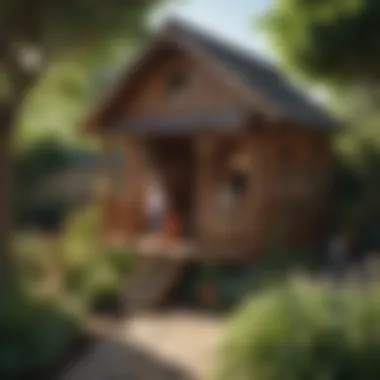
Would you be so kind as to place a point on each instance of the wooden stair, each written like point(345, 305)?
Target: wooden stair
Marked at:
point(153, 280)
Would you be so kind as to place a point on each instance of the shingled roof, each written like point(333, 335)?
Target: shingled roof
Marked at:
point(262, 77)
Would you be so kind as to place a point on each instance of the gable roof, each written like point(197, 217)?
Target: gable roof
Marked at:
point(252, 73)
point(260, 76)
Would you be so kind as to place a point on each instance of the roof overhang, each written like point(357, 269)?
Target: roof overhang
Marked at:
point(164, 41)
point(175, 36)
point(216, 121)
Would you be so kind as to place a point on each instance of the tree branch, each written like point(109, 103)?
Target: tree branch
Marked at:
point(22, 55)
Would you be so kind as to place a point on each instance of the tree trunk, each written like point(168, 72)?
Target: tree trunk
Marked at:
point(21, 34)
point(7, 120)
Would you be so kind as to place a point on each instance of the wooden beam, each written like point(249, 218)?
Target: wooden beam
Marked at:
point(215, 121)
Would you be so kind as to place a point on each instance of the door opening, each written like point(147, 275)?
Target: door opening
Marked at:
point(173, 160)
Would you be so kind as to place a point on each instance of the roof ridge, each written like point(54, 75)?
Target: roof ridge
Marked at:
point(263, 74)
point(257, 75)
point(196, 29)
point(251, 56)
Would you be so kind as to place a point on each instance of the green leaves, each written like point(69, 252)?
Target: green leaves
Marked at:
point(304, 331)
point(62, 24)
point(79, 39)
point(331, 40)
point(35, 335)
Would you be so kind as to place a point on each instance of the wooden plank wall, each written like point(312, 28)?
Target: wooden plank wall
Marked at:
point(273, 205)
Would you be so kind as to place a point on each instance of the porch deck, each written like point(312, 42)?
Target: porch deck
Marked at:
point(159, 246)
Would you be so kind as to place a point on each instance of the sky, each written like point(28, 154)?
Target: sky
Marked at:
point(232, 19)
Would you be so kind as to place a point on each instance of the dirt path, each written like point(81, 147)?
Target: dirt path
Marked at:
point(177, 345)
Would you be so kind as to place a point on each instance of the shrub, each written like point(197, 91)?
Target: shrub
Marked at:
point(277, 262)
point(33, 255)
point(92, 270)
point(37, 331)
point(96, 281)
point(34, 335)
point(122, 259)
point(304, 331)
point(102, 287)
point(85, 271)
point(32, 168)
point(210, 272)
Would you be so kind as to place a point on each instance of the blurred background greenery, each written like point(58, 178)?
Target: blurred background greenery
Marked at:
point(304, 330)
point(63, 274)
point(55, 59)
point(64, 279)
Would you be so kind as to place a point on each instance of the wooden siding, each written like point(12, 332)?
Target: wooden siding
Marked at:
point(204, 90)
point(123, 202)
point(211, 121)
point(288, 167)
point(276, 204)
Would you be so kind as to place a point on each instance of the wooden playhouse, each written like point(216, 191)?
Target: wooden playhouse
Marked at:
point(208, 118)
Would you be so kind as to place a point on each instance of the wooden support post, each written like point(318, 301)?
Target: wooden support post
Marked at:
point(204, 182)
point(133, 197)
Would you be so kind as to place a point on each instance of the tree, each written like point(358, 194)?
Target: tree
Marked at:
point(35, 34)
point(336, 42)
point(33, 166)
point(333, 40)
point(62, 97)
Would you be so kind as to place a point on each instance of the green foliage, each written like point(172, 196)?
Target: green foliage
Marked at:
point(125, 262)
point(356, 185)
point(73, 41)
point(75, 266)
point(63, 26)
point(92, 270)
point(41, 159)
point(302, 331)
point(336, 43)
point(276, 261)
point(57, 103)
point(332, 39)
point(33, 166)
point(348, 193)
point(60, 100)
point(35, 335)
point(75, 22)
point(210, 272)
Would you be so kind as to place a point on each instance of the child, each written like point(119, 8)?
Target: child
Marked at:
point(156, 206)
point(172, 225)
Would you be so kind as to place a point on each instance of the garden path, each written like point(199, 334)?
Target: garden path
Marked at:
point(173, 345)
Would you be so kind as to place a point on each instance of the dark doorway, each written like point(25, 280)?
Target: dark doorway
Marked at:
point(173, 159)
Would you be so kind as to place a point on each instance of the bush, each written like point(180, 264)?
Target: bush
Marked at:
point(210, 272)
point(34, 335)
point(32, 167)
point(304, 331)
point(102, 287)
point(78, 273)
point(103, 282)
point(277, 261)
point(85, 271)
point(123, 260)
point(92, 270)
